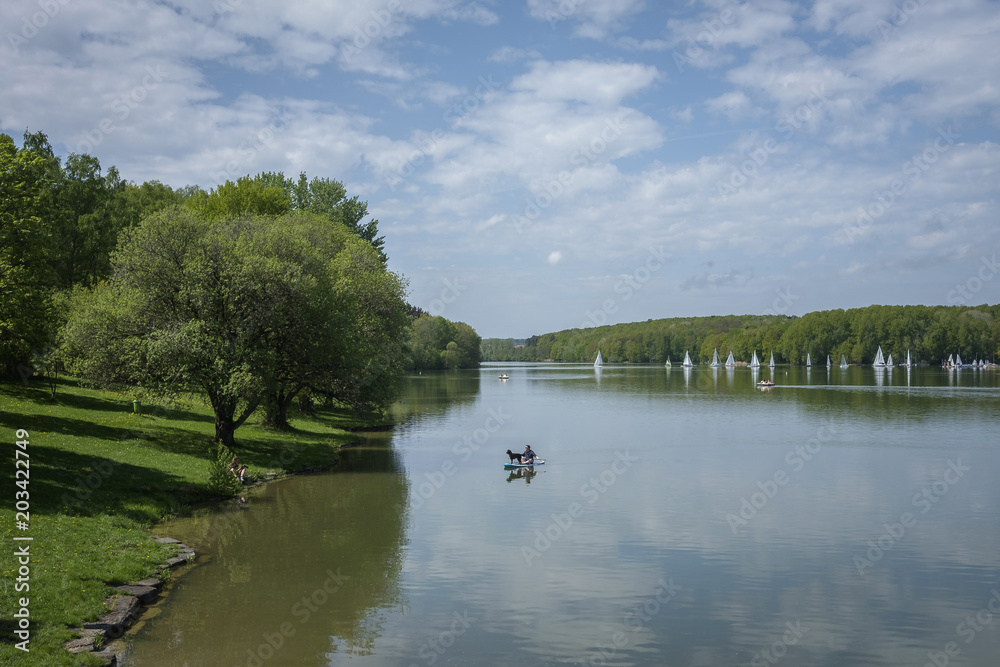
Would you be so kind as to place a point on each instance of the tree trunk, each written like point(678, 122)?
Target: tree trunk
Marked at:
point(224, 429)
point(276, 406)
point(225, 425)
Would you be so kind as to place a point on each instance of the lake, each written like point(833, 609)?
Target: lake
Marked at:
point(682, 517)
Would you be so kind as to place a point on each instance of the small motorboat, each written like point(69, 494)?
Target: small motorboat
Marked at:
point(504, 376)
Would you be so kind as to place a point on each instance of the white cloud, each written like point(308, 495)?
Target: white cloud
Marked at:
point(593, 19)
point(746, 25)
point(604, 84)
point(473, 13)
point(734, 105)
point(618, 153)
point(949, 56)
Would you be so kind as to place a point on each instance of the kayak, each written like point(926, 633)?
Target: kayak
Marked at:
point(511, 466)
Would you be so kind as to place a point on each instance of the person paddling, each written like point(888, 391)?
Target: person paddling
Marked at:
point(529, 455)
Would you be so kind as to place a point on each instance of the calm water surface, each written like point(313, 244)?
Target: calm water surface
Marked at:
point(845, 517)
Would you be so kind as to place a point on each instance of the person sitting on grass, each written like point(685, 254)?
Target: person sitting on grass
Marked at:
point(238, 469)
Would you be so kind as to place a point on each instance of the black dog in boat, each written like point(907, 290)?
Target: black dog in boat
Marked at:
point(513, 456)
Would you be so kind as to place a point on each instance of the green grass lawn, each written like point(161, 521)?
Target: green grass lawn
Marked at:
point(100, 477)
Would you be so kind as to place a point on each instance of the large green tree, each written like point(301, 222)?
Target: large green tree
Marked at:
point(350, 344)
point(271, 193)
point(245, 310)
point(25, 272)
point(437, 343)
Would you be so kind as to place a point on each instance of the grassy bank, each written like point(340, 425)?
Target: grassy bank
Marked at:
point(100, 477)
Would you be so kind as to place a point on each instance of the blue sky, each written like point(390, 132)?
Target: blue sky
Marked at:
point(550, 164)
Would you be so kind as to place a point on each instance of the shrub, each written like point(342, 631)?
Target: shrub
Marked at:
point(221, 479)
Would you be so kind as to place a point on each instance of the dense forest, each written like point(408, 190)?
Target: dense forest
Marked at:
point(253, 294)
point(930, 333)
point(437, 343)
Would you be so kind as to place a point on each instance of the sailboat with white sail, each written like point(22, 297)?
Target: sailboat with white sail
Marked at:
point(829, 363)
point(599, 361)
point(715, 358)
point(809, 361)
point(730, 362)
point(687, 360)
point(908, 363)
point(771, 363)
point(879, 361)
point(843, 361)
point(888, 362)
point(755, 363)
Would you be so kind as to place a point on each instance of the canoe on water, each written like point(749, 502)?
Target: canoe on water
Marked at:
point(511, 466)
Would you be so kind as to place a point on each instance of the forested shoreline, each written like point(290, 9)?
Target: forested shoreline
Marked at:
point(930, 333)
point(257, 294)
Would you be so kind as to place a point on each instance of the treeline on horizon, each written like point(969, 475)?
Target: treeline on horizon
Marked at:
point(930, 333)
point(257, 292)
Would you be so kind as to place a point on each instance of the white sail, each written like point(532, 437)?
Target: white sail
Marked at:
point(599, 361)
point(908, 363)
point(687, 360)
point(958, 360)
point(808, 360)
point(754, 363)
point(888, 362)
point(771, 363)
point(715, 357)
point(879, 361)
point(828, 362)
point(843, 361)
point(730, 361)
